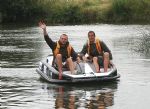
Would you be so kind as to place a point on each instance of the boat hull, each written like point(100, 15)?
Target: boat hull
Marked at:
point(50, 74)
point(74, 80)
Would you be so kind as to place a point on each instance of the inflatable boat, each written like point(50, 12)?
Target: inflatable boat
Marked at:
point(85, 72)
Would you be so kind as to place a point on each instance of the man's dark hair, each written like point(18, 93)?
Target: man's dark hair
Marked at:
point(91, 32)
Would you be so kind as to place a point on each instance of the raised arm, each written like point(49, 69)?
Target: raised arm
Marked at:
point(43, 26)
point(48, 40)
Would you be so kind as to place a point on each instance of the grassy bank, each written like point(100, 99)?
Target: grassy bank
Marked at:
point(76, 11)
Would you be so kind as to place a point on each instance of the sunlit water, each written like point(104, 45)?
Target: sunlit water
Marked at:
point(21, 49)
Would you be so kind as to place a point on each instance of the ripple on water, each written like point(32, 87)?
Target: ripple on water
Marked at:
point(25, 47)
point(19, 91)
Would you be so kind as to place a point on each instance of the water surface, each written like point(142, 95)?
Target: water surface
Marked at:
point(22, 47)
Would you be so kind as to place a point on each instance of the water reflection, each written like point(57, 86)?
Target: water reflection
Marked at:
point(89, 96)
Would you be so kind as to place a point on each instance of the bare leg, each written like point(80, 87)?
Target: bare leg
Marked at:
point(106, 61)
point(95, 62)
point(71, 65)
point(59, 63)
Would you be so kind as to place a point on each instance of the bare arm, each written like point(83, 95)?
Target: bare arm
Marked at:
point(83, 52)
point(106, 49)
point(43, 26)
point(48, 40)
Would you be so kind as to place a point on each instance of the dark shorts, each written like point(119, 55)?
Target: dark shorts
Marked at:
point(63, 63)
point(100, 61)
point(63, 60)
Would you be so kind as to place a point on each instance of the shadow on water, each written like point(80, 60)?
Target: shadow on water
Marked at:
point(91, 96)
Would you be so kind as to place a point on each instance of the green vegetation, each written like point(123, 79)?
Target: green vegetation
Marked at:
point(20, 10)
point(130, 11)
point(75, 11)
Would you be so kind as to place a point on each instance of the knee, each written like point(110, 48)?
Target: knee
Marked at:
point(69, 59)
point(106, 55)
point(58, 56)
point(95, 59)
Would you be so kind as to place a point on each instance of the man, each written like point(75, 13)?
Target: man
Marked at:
point(62, 50)
point(98, 52)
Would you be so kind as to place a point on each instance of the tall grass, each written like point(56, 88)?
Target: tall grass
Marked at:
point(97, 11)
point(20, 10)
point(130, 11)
point(76, 11)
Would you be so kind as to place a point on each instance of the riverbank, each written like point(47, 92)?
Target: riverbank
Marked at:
point(66, 12)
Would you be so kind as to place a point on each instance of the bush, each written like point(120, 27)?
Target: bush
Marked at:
point(75, 11)
point(130, 11)
point(20, 10)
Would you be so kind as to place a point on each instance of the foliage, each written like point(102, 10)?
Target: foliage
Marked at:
point(75, 11)
point(20, 10)
point(130, 11)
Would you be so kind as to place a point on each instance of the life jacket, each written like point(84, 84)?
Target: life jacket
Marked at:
point(56, 51)
point(98, 46)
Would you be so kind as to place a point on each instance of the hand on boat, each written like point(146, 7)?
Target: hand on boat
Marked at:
point(84, 59)
point(111, 62)
point(78, 60)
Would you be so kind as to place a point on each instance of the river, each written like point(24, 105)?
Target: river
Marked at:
point(22, 47)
